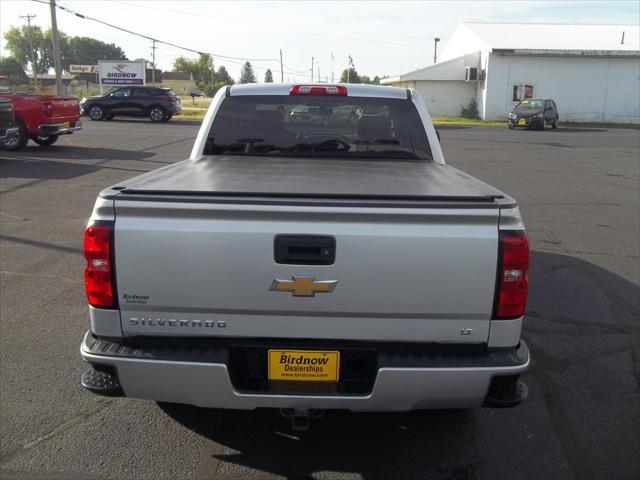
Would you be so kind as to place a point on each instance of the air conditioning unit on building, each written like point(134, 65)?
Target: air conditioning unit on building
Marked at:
point(471, 74)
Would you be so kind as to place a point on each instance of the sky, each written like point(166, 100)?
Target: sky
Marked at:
point(383, 38)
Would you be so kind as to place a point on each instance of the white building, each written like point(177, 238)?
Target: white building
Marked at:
point(591, 71)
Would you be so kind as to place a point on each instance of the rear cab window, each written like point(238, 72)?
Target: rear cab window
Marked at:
point(318, 126)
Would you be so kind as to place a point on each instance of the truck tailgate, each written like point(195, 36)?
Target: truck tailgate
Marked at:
point(196, 266)
point(61, 106)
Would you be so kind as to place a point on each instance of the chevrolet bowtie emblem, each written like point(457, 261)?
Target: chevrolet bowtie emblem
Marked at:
point(303, 285)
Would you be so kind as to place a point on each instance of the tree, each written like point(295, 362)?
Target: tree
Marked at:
point(204, 73)
point(73, 50)
point(12, 68)
point(223, 76)
point(201, 68)
point(246, 74)
point(17, 42)
point(87, 51)
point(268, 76)
point(206, 70)
point(184, 64)
point(366, 79)
point(350, 75)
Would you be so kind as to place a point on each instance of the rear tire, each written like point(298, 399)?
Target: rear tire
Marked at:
point(46, 141)
point(96, 112)
point(555, 123)
point(157, 114)
point(17, 141)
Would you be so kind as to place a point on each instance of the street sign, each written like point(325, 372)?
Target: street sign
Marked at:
point(117, 72)
point(83, 68)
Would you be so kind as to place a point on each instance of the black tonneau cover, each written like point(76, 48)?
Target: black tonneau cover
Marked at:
point(312, 178)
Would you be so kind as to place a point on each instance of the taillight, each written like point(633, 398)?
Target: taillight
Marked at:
point(333, 90)
point(512, 284)
point(98, 274)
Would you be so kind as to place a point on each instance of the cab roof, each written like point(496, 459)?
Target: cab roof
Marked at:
point(353, 89)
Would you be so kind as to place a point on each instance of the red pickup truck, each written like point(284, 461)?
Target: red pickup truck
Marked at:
point(41, 118)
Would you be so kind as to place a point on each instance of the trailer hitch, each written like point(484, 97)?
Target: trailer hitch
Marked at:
point(300, 417)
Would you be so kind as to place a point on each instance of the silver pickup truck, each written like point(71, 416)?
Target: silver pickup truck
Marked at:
point(333, 263)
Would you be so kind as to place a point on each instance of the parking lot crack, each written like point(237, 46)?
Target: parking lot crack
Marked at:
point(41, 244)
point(99, 405)
point(40, 275)
point(583, 323)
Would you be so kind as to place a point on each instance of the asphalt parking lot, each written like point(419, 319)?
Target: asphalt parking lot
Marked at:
point(579, 192)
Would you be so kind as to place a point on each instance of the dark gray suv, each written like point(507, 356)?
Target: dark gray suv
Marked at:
point(534, 112)
point(159, 104)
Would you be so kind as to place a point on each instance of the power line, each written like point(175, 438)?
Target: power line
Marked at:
point(228, 58)
point(87, 17)
point(294, 70)
point(283, 27)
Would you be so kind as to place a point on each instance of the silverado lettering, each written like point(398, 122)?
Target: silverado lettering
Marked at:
point(172, 322)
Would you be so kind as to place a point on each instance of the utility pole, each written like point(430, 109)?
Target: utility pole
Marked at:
point(332, 61)
point(33, 53)
point(153, 63)
point(435, 49)
point(281, 69)
point(56, 47)
point(311, 69)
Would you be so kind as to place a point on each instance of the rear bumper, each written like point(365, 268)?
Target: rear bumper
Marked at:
point(528, 122)
point(63, 128)
point(201, 376)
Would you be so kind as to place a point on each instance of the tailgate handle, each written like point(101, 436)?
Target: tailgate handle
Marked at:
point(305, 249)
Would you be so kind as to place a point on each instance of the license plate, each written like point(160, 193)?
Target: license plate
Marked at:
point(304, 365)
point(522, 122)
point(67, 124)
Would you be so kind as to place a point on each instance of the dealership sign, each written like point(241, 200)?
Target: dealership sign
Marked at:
point(83, 68)
point(121, 73)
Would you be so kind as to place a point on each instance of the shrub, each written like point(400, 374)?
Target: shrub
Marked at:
point(471, 110)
